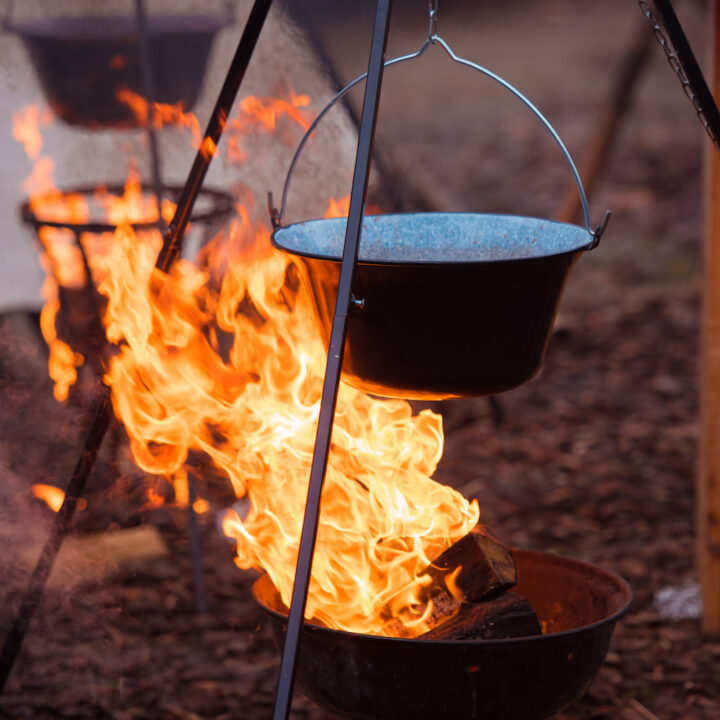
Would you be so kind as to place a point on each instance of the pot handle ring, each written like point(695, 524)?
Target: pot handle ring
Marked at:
point(435, 39)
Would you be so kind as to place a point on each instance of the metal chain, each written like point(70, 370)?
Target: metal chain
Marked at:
point(674, 62)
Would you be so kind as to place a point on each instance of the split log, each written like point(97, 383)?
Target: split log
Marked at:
point(487, 568)
point(506, 616)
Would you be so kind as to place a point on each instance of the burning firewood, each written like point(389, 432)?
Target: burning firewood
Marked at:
point(482, 570)
point(486, 566)
point(508, 615)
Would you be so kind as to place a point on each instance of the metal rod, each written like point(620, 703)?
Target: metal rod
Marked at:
point(148, 78)
point(283, 697)
point(172, 244)
point(95, 330)
point(36, 587)
point(147, 70)
point(277, 215)
point(201, 606)
point(215, 127)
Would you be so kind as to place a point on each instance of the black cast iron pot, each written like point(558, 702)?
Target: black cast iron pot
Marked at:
point(455, 304)
point(82, 63)
point(380, 678)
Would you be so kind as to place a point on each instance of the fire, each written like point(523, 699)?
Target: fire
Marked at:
point(266, 112)
point(341, 207)
point(223, 357)
point(253, 411)
point(62, 256)
point(338, 208)
point(52, 496)
point(163, 114)
point(201, 506)
point(26, 128)
point(255, 115)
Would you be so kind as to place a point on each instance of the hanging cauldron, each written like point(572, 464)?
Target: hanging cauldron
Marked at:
point(381, 678)
point(454, 304)
point(83, 62)
point(446, 304)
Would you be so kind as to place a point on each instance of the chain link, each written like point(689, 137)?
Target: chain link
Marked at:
point(674, 62)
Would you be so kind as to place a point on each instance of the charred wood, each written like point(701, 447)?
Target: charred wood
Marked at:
point(486, 567)
point(506, 616)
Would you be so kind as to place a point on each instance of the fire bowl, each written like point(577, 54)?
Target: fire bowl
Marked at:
point(213, 208)
point(82, 63)
point(456, 304)
point(380, 678)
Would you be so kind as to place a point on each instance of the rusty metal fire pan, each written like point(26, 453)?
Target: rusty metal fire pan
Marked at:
point(380, 678)
point(82, 63)
point(455, 304)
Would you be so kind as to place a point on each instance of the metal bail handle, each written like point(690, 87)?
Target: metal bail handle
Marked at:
point(435, 39)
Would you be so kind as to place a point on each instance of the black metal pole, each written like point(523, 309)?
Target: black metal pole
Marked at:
point(172, 244)
point(63, 519)
point(201, 606)
point(215, 127)
point(283, 697)
point(148, 77)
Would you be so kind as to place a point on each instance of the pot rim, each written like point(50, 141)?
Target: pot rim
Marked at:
point(113, 26)
point(222, 206)
point(588, 242)
point(622, 584)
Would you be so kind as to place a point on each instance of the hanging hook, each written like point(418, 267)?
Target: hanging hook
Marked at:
point(600, 229)
point(432, 20)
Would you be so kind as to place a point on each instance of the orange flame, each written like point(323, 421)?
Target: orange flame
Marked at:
point(253, 411)
point(341, 207)
point(234, 368)
point(201, 506)
point(256, 114)
point(26, 128)
point(265, 112)
point(52, 496)
point(208, 148)
point(62, 258)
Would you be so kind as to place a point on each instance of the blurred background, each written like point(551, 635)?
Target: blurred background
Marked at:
point(459, 139)
point(594, 459)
